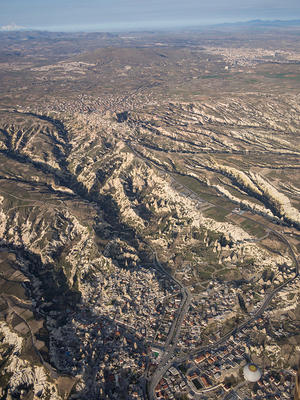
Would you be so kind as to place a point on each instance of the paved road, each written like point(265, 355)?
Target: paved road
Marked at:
point(173, 335)
point(168, 357)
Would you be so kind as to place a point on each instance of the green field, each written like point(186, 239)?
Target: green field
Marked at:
point(253, 228)
point(217, 213)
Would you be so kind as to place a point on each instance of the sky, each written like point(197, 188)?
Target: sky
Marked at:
point(118, 15)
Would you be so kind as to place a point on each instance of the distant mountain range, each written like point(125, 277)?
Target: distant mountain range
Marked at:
point(266, 22)
point(256, 23)
point(261, 22)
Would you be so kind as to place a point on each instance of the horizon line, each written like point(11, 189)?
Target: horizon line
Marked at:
point(160, 27)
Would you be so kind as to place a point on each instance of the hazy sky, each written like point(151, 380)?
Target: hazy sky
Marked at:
point(138, 14)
